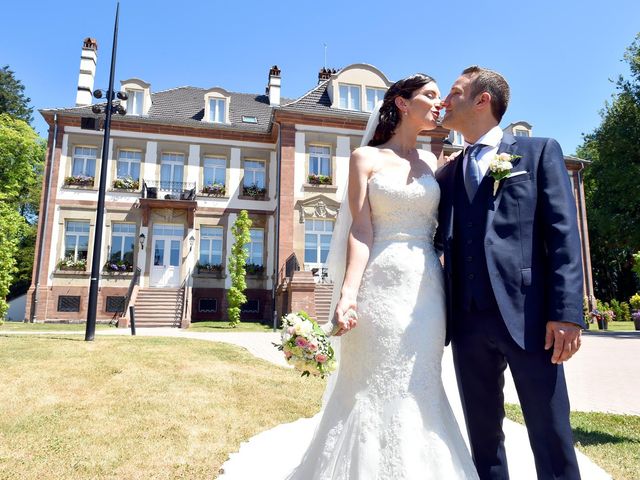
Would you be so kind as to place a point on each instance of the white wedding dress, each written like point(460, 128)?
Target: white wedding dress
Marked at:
point(388, 416)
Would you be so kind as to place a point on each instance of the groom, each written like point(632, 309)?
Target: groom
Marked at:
point(513, 276)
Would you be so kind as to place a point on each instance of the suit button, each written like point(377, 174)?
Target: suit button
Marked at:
point(469, 224)
point(469, 259)
point(469, 241)
point(470, 276)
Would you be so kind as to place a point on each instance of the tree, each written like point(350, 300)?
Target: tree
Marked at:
point(239, 254)
point(12, 99)
point(11, 226)
point(611, 185)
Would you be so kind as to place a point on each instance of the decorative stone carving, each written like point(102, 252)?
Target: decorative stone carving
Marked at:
point(318, 207)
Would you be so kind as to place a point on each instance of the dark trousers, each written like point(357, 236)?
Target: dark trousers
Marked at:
point(482, 348)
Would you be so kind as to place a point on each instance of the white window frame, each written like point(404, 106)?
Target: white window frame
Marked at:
point(221, 166)
point(130, 233)
point(175, 161)
point(208, 234)
point(251, 172)
point(135, 102)
point(349, 95)
point(80, 155)
point(217, 109)
point(378, 95)
point(521, 132)
point(322, 155)
point(129, 160)
point(77, 234)
point(310, 225)
point(252, 246)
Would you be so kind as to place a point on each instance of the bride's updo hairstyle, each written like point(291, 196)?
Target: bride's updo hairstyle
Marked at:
point(389, 112)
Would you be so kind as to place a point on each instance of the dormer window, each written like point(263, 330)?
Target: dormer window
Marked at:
point(521, 132)
point(216, 106)
point(350, 97)
point(217, 110)
point(135, 102)
point(374, 95)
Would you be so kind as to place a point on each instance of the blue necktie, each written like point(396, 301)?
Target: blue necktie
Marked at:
point(472, 176)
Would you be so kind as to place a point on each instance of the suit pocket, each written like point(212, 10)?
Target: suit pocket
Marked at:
point(517, 179)
point(526, 277)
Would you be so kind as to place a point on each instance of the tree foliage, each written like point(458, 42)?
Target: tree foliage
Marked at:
point(239, 254)
point(12, 98)
point(11, 230)
point(611, 185)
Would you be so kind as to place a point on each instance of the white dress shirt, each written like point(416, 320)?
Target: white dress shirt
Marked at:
point(492, 141)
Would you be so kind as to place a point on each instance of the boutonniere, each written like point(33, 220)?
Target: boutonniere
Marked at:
point(500, 168)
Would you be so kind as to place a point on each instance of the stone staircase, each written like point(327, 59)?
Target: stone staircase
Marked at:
point(323, 301)
point(159, 307)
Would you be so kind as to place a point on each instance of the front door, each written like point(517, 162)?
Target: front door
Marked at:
point(167, 259)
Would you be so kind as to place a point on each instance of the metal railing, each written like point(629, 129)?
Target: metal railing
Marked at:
point(291, 265)
point(185, 291)
point(134, 281)
point(169, 190)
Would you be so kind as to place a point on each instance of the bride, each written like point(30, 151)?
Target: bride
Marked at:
point(386, 415)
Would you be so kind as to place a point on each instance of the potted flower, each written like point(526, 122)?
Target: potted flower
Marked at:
point(607, 316)
point(254, 191)
point(71, 264)
point(118, 266)
point(634, 301)
point(210, 267)
point(254, 269)
point(126, 183)
point(314, 179)
point(79, 181)
point(215, 189)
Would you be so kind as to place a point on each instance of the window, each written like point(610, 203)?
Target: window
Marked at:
point(254, 171)
point(350, 97)
point(115, 304)
point(250, 306)
point(76, 240)
point(68, 303)
point(249, 119)
point(129, 164)
point(317, 238)
point(171, 171)
point(211, 245)
point(207, 305)
point(521, 133)
point(84, 161)
point(319, 160)
point(374, 95)
point(217, 110)
point(123, 236)
point(456, 138)
point(255, 246)
point(135, 102)
point(215, 170)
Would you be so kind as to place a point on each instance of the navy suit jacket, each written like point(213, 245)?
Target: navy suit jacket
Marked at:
point(531, 242)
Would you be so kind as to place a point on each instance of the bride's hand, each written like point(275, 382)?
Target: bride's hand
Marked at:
point(345, 322)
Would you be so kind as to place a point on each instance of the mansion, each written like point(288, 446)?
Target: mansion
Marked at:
point(182, 163)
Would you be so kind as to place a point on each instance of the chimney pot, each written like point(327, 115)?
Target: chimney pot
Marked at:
point(273, 87)
point(88, 60)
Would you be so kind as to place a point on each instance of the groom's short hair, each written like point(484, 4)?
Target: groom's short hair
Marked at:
point(485, 80)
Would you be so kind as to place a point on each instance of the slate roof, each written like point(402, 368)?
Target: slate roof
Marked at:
point(185, 106)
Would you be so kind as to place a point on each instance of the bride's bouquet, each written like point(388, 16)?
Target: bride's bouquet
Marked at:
point(306, 346)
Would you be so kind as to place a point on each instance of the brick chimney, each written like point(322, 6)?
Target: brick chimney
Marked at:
point(88, 60)
point(325, 74)
point(273, 88)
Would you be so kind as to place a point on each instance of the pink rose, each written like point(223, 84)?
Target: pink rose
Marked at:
point(291, 330)
point(312, 346)
point(504, 157)
point(301, 342)
point(288, 355)
point(321, 358)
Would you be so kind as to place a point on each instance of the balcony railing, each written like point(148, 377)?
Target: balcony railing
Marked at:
point(169, 190)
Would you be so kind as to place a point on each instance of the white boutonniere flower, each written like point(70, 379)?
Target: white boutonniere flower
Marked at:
point(500, 168)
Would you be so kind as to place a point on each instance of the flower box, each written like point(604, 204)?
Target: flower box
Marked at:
point(72, 265)
point(216, 190)
point(126, 183)
point(254, 191)
point(210, 268)
point(79, 181)
point(254, 269)
point(118, 267)
point(319, 179)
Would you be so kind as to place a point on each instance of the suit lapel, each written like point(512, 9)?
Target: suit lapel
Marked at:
point(507, 145)
point(456, 170)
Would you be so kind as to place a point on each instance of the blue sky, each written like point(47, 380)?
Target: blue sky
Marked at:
point(557, 55)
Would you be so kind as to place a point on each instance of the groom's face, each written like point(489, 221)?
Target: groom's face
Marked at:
point(458, 104)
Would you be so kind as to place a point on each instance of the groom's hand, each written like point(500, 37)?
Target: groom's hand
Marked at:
point(565, 339)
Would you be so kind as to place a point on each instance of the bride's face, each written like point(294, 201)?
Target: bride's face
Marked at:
point(424, 106)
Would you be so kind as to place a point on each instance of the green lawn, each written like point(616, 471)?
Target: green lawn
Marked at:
point(224, 327)
point(614, 327)
point(58, 327)
point(136, 407)
point(611, 441)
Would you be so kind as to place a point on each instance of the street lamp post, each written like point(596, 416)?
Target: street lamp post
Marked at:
point(94, 287)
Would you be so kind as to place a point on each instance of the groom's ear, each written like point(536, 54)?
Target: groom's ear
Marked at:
point(483, 100)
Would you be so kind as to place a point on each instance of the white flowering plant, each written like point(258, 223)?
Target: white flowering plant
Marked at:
point(306, 346)
point(500, 167)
